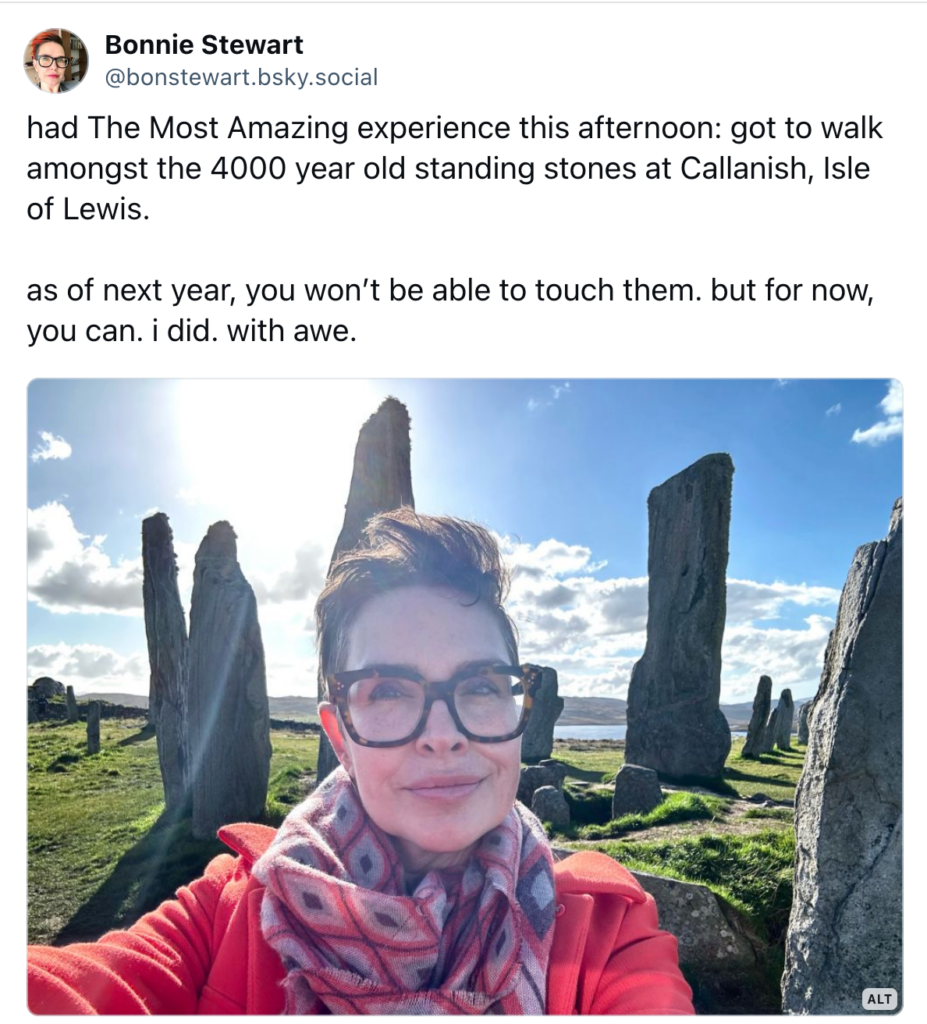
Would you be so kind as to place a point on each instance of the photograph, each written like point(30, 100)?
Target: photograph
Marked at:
point(439, 696)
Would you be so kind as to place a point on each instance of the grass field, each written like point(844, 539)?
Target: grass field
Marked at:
point(102, 852)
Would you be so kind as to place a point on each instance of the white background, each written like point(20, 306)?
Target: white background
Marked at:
point(719, 62)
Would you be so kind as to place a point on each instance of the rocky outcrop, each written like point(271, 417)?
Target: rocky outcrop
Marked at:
point(229, 730)
point(537, 742)
point(675, 725)
point(757, 725)
point(93, 727)
point(637, 791)
point(166, 630)
point(381, 481)
point(47, 687)
point(845, 929)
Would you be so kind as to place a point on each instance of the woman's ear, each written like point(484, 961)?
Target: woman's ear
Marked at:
point(328, 715)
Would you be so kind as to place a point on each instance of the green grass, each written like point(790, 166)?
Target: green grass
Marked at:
point(676, 808)
point(101, 850)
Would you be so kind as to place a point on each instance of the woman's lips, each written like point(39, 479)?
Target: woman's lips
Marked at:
point(452, 788)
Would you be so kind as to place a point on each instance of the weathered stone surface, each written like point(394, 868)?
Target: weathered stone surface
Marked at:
point(785, 716)
point(550, 805)
point(166, 629)
point(537, 743)
point(93, 727)
point(32, 710)
point(845, 930)
point(803, 722)
point(229, 722)
point(533, 777)
point(768, 741)
point(381, 481)
point(47, 687)
point(71, 702)
point(637, 791)
point(675, 724)
point(713, 937)
point(758, 719)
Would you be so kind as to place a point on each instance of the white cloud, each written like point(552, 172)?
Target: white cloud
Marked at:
point(593, 630)
point(89, 667)
point(51, 447)
point(556, 390)
point(834, 410)
point(67, 574)
point(891, 426)
point(305, 577)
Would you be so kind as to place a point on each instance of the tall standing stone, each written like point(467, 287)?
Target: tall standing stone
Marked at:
point(538, 739)
point(675, 725)
point(166, 629)
point(93, 727)
point(757, 724)
point(71, 703)
point(803, 713)
point(381, 481)
point(785, 716)
point(229, 722)
point(770, 732)
point(845, 930)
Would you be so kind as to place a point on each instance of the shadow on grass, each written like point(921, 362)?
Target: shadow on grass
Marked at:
point(147, 732)
point(166, 858)
point(714, 784)
point(583, 774)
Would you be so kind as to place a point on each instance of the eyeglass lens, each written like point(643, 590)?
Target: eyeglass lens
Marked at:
point(390, 708)
point(46, 61)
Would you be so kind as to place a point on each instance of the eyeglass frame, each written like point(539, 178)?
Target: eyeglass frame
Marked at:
point(339, 683)
point(52, 60)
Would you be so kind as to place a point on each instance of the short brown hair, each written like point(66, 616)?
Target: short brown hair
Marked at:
point(403, 549)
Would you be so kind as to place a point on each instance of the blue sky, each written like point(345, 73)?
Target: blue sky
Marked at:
point(559, 469)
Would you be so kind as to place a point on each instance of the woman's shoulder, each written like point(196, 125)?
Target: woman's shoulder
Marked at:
point(590, 872)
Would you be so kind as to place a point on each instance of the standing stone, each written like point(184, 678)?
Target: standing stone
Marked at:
point(93, 727)
point(845, 928)
point(757, 724)
point(537, 742)
point(803, 722)
point(533, 777)
point(784, 718)
point(675, 724)
point(770, 732)
point(550, 805)
point(637, 791)
point(166, 629)
point(71, 702)
point(229, 722)
point(381, 482)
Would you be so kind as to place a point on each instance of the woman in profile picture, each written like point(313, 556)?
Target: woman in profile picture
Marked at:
point(50, 63)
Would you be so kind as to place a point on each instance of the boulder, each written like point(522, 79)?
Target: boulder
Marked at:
point(381, 481)
point(537, 742)
point(166, 630)
point(47, 687)
point(675, 724)
point(229, 721)
point(845, 929)
point(93, 727)
point(637, 791)
point(785, 715)
point(758, 719)
point(550, 805)
point(533, 777)
point(71, 702)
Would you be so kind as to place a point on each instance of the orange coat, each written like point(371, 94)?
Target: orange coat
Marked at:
point(204, 951)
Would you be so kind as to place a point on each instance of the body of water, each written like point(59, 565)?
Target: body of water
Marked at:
point(597, 732)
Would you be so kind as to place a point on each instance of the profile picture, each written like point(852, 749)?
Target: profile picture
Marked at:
point(55, 60)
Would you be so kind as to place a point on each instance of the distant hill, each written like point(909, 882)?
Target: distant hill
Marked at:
point(576, 710)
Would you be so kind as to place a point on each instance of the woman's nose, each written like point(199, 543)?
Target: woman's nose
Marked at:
point(441, 733)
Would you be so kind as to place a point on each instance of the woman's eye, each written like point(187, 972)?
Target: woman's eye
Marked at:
point(481, 686)
point(391, 689)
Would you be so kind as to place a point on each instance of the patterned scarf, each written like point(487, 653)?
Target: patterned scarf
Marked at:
point(352, 941)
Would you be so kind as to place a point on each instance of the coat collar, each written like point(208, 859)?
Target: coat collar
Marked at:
point(247, 839)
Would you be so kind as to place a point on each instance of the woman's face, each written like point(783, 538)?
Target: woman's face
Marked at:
point(51, 77)
point(440, 793)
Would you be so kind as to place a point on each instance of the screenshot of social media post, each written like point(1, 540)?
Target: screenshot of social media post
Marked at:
point(463, 450)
